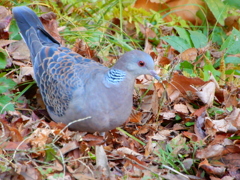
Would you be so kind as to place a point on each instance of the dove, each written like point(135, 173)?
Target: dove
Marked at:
point(74, 87)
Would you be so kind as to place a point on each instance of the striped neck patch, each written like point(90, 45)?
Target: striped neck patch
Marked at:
point(115, 76)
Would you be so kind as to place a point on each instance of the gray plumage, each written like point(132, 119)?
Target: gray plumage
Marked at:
point(74, 87)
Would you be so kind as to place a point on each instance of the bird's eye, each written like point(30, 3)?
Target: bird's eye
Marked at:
point(141, 63)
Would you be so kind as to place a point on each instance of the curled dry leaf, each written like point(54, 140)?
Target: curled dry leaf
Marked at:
point(83, 49)
point(191, 136)
point(50, 24)
point(220, 125)
point(234, 118)
point(125, 150)
point(218, 171)
point(5, 19)
point(206, 93)
point(198, 126)
point(25, 71)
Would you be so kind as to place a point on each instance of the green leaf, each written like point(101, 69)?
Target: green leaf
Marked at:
point(6, 84)
point(177, 43)
point(50, 153)
point(232, 44)
point(178, 117)
point(232, 60)
point(219, 10)
point(232, 71)
point(5, 104)
point(187, 67)
point(3, 59)
point(14, 35)
point(183, 33)
point(218, 35)
point(210, 68)
point(234, 137)
point(189, 124)
point(199, 39)
point(233, 3)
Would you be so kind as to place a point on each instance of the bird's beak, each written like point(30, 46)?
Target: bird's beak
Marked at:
point(155, 75)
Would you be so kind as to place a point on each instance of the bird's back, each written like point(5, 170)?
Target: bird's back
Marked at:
point(58, 71)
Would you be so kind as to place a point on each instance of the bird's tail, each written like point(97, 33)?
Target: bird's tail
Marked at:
point(32, 30)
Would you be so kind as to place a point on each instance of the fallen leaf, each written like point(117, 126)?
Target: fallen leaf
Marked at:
point(206, 93)
point(189, 54)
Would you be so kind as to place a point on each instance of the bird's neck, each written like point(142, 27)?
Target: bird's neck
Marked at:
point(115, 76)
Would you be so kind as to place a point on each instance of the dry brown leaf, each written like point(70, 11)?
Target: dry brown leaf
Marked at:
point(191, 136)
point(19, 50)
point(232, 22)
point(214, 150)
point(69, 147)
point(50, 24)
point(5, 19)
point(93, 140)
point(183, 8)
point(206, 93)
point(28, 172)
point(189, 54)
point(168, 115)
point(220, 125)
point(218, 171)
point(198, 126)
point(163, 61)
point(25, 71)
point(38, 139)
point(199, 111)
point(234, 118)
point(232, 161)
point(6, 42)
point(84, 50)
point(135, 117)
point(14, 146)
point(184, 84)
point(125, 150)
point(181, 108)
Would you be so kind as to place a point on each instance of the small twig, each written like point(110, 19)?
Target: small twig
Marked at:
point(86, 167)
point(15, 151)
point(78, 120)
point(3, 130)
point(10, 72)
point(62, 159)
point(135, 162)
point(171, 169)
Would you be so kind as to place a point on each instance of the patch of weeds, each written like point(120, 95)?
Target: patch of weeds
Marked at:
point(5, 85)
point(175, 154)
